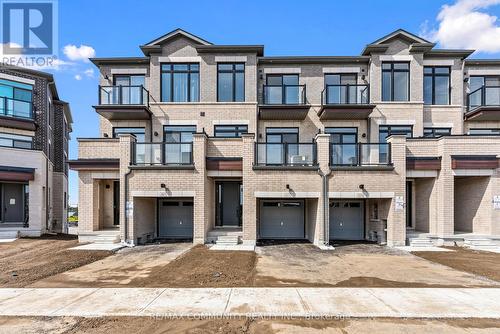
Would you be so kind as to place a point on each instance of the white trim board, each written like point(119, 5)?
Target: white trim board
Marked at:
point(179, 122)
point(395, 121)
point(396, 57)
point(195, 59)
point(484, 72)
point(360, 194)
point(283, 70)
point(473, 172)
point(115, 71)
point(421, 173)
point(162, 193)
point(230, 122)
point(15, 78)
point(224, 173)
point(439, 62)
point(344, 69)
point(231, 58)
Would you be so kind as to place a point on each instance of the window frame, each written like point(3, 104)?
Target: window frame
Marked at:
point(481, 134)
point(290, 128)
point(177, 126)
point(389, 132)
point(237, 132)
point(433, 75)
point(128, 127)
point(392, 71)
point(32, 93)
point(2, 136)
point(328, 130)
point(233, 72)
point(433, 129)
point(189, 72)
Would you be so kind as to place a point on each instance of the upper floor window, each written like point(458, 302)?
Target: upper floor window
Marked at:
point(282, 135)
point(388, 130)
point(178, 133)
point(343, 135)
point(484, 91)
point(484, 132)
point(395, 81)
point(436, 132)
point(180, 82)
point(436, 85)
point(139, 133)
point(16, 141)
point(16, 99)
point(230, 131)
point(230, 82)
point(283, 89)
point(341, 88)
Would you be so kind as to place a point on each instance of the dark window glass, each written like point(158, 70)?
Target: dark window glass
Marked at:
point(230, 131)
point(395, 81)
point(16, 141)
point(139, 133)
point(436, 132)
point(282, 135)
point(343, 135)
point(436, 85)
point(180, 83)
point(179, 133)
point(388, 130)
point(477, 132)
point(283, 89)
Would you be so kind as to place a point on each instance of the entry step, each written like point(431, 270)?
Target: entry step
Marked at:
point(421, 242)
point(228, 240)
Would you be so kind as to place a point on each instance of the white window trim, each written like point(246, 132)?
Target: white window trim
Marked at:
point(395, 122)
point(118, 71)
point(240, 59)
point(438, 125)
point(195, 59)
point(439, 62)
point(282, 70)
point(18, 79)
point(180, 122)
point(231, 122)
point(335, 70)
point(484, 72)
point(396, 58)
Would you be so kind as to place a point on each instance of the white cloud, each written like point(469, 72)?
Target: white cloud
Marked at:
point(89, 72)
point(41, 63)
point(78, 77)
point(464, 24)
point(75, 53)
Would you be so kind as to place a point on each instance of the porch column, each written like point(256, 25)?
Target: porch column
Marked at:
point(249, 214)
point(323, 155)
point(444, 225)
point(201, 211)
point(396, 218)
point(126, 141)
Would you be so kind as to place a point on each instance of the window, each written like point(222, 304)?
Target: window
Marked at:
point(180, 82)
point(282, 135)
point(395, 81)
point(437, 132)
point(179, 133)
point(15, 99)
point(230, 131)
point(230, 82)
point(132, 89)
point(484, 90)
point(283, 89)
point(16, 141)
point(483, 132)
point(388, 130)
point(139, 133)
point(338, 88)
point(343, 135)
point(436, 85)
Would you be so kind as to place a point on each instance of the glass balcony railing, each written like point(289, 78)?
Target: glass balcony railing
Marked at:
point(155, 154)
point(123, 95)
point(346, 94)
point(484, 96)
point(284, 94)
point(360, 154)
point(285, 154)
point(16, 108)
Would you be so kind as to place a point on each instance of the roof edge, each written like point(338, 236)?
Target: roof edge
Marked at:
point(119, 60)
point(313, 59)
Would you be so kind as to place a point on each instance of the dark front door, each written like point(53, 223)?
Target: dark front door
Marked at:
point(13, 203)
point(229, 204)
point(116, 202)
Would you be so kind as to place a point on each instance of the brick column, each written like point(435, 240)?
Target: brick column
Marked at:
point(126, 141)
point(323, 156)
point(445, 190)
point(396, 219)
point(200, 223)
point(249, 201)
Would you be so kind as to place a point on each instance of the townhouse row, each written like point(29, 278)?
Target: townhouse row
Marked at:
point(219, 143)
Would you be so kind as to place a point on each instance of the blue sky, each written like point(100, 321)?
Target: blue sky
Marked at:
point(117, 27)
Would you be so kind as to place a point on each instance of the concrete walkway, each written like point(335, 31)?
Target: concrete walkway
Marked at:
point(298, 302)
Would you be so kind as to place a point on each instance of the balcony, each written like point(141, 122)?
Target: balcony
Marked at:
point(173, 155)
point(16, 113)
point(483, 104)
point(352, 156)
point(346, 102)
point(285, 155)
point(283, 102)
point(123, 102)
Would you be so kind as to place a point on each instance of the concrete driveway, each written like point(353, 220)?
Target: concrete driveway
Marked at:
point(356, 265)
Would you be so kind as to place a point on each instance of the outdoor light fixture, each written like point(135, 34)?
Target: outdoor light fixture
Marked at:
point(156, 134)
point(163, 185)
point(288, 186)
point(363, 135)
point(361, 186)
point(105, 135)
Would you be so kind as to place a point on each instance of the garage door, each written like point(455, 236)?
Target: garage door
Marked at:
point(281, 219)
point(346, 220)
point(176, 219)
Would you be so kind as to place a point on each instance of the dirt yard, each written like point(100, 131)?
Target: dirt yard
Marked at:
point(485, 264)
point(29, 325)
point(27, 260)
point(356, 265)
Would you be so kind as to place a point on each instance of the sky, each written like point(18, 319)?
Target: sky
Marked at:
point(111, 28)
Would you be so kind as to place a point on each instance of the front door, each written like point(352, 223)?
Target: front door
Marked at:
point(116, 203)
point(13, 203)
point(229, 203)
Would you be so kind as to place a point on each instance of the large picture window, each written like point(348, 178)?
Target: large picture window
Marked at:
point(395, 81)
point(230, 82)
point(16, 99)
point(436, 85)
point(180, 82)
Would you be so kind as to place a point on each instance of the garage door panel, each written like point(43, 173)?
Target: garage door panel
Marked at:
point(346, 220)
point(282, 219)
point(176, 219)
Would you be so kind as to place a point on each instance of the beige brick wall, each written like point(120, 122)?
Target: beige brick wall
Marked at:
point(228, 147)
point(99, 148)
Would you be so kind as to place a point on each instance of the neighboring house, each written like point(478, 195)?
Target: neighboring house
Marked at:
point(200, 141)
point(35, 126)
